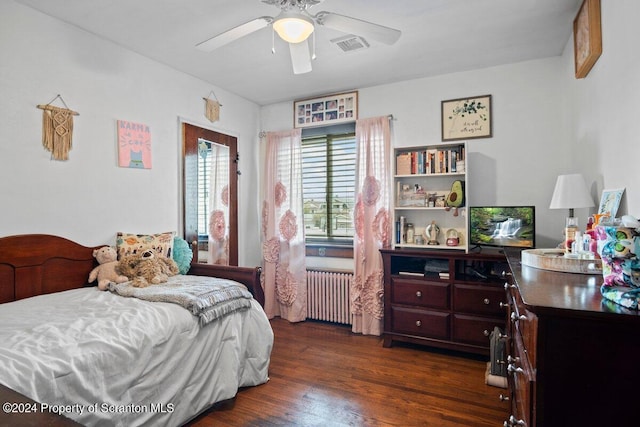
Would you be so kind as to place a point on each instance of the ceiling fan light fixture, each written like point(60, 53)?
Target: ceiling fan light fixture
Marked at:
point(293, 27)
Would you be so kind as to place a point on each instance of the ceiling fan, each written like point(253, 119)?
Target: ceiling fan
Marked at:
point(295, 24)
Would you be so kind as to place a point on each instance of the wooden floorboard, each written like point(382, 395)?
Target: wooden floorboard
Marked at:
point(324, 375)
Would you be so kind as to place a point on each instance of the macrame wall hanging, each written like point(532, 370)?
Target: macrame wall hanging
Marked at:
point(212, 108)
point(57, 129)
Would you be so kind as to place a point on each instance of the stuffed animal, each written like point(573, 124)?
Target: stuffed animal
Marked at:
point(146, 268)
point(106, 271)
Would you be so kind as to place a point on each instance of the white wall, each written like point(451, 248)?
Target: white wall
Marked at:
point(518, 165)
point(603, 108)
point(545, 123)
point(89, 198)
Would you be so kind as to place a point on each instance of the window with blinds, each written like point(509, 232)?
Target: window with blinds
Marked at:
point(204, 172)
point(328, 183)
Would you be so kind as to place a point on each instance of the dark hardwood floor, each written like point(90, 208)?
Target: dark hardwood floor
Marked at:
point(323, 375)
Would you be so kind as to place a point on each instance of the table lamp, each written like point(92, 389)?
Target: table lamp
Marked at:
point(571, 192)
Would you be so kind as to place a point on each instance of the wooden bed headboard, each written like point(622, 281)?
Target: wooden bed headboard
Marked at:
point(36, 264)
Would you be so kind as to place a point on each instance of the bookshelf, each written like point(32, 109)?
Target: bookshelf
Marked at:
point(423, 182)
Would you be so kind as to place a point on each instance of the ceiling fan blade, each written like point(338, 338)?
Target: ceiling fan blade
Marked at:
point(300, 57)
point(234, 34)
point(358, 27)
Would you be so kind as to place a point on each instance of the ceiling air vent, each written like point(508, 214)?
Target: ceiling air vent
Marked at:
point(350, 43)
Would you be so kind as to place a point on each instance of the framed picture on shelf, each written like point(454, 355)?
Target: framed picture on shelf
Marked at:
point(610, 202)
point(327, 110)
point(587, 37)
point(466, 118)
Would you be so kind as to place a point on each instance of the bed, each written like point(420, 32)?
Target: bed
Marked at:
point(102, 359)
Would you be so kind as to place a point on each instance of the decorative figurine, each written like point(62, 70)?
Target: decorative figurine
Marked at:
point(453, 238)
point(431, 233)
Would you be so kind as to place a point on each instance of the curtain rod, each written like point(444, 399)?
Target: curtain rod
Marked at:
point(263, 133)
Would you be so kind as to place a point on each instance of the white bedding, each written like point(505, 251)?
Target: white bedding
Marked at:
point(142, 363)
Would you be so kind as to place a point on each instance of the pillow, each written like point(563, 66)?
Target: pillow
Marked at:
point(619, 248)
point(182, 254)
point(128, 243)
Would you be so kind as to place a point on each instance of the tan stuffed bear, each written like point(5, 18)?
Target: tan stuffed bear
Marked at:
point(146, 268)
point(106, 271)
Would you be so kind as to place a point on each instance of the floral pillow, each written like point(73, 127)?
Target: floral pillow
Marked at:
point(619, 248)
point(128, 243)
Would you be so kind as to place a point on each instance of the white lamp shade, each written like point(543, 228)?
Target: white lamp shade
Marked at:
point(293, 27)
point(571, 192)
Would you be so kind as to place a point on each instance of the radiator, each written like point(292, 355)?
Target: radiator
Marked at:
point(328, 296)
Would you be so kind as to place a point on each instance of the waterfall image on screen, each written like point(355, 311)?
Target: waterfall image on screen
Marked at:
point(502, 226)
point(507, 228)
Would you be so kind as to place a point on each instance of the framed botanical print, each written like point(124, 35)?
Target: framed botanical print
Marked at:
point(466, 118)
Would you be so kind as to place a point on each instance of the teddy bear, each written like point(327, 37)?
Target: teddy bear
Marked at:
point(106, 271)
point(147, 268)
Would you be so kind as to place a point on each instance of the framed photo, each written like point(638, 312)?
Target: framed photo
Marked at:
point(610, 202)
point(330, 109)
point(466, 118)
point(587, 37)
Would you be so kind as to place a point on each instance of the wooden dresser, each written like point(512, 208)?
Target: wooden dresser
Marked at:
point(572, 356)
point(440, 298)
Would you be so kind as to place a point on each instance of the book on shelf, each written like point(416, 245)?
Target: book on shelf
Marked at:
point(403, 164)
point(410, 273)
point(431, 161)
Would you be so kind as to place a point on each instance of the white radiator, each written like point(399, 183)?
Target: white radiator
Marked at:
point(328, 296)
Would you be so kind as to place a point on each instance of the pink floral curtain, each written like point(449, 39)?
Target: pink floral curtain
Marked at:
point(283, 250)
point(372, 224)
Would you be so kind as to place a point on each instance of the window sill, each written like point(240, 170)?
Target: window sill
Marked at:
point(329, 250)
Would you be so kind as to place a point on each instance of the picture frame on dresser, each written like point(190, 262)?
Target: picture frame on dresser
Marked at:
point(610, 202)
point(466, 118)
point(587, 37)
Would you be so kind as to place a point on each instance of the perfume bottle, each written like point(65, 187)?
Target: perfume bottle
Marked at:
point(571, 226)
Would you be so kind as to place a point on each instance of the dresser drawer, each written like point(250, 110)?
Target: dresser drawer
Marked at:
point(474, 330)
point(521, 379)
point(420, 293)
point(478, 299)
point(424, 323)
point(523, 323)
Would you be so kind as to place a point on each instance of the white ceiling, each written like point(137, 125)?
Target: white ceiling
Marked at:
point(438, 37)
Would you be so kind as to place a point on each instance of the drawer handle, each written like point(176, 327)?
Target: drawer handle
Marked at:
point(513, 370)
point(503, 398)
point(504, 305)
point(419, 294)
point(507, 286)
point(486, 301)
point(515, 317)
point(418, 323)
point(486, 333)
point(512, 421)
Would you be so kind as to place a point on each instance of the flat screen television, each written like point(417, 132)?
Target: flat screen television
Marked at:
point(503, 226)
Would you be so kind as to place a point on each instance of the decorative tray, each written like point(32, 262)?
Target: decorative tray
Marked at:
point(554, 260)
